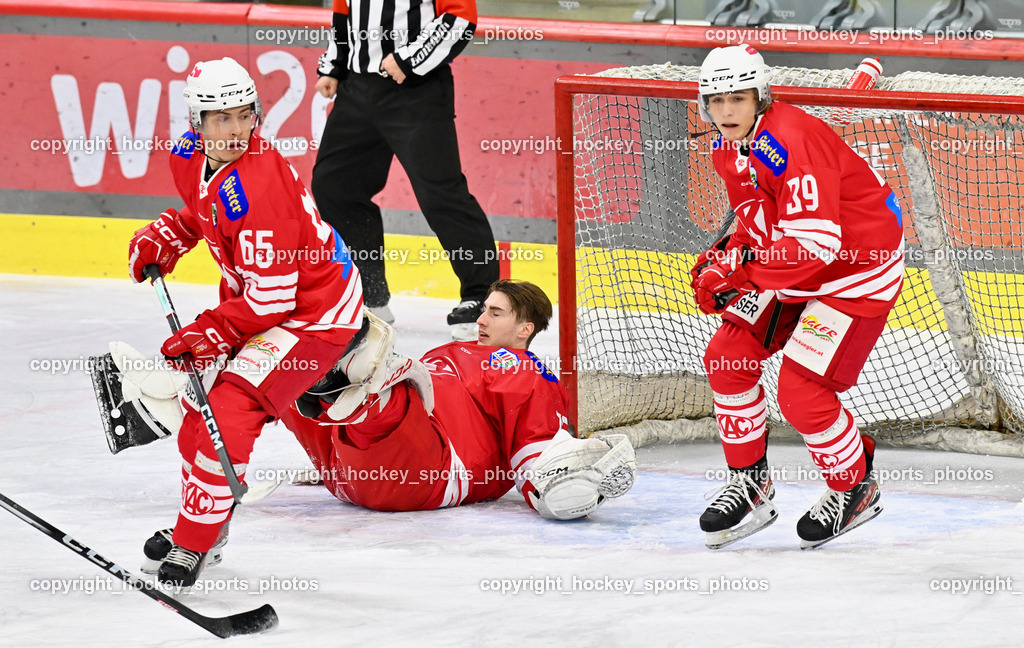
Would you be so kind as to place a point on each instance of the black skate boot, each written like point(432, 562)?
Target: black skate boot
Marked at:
point(126, 424)
point(159, 545)
point(462, 320)
point(743, 506)
point(181, 568)
point(838, 512)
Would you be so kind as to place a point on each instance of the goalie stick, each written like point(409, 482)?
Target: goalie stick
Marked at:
point(152, 271)
point(258, 620)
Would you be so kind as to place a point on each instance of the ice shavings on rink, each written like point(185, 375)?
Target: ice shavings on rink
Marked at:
point(942, 565)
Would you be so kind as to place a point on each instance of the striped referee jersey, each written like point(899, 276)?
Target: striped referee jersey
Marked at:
point(422, 34)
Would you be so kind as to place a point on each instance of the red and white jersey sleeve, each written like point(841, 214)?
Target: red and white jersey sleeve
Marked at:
point(823, 224)
point(280, 264)
point(499, 409)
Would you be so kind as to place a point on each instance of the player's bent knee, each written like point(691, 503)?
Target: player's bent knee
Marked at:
point(804, 403)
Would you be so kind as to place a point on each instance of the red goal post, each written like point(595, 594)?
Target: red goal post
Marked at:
point(615, 273)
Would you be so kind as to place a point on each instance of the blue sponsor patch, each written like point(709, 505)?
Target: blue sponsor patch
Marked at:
point(772, 154)
point(504, 359)
point(544, 371)
point(717, 143)
point(894, 207)
point(341, 255)
point(232, 196)
point(185, 146)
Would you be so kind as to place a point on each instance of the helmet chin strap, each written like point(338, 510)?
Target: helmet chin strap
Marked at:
point(209, 157)
point(753, 127)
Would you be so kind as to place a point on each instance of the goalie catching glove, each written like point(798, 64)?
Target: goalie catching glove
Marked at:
point(719, 278)
point(572, 477)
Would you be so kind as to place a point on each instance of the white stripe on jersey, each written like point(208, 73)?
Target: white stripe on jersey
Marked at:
point(269, 294)
point(347, 313)
point(879, 282)
point(528, 451)
point(458, 481)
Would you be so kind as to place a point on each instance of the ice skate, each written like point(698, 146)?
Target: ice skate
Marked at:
point(462, 320)
point(160, 544)
point(838, 512)
point(180, 569)
point(742, 507)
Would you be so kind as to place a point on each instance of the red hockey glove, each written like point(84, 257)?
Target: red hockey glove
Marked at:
point(723, 282)
point(708, 257)
point(161, 242)
point(206, 338)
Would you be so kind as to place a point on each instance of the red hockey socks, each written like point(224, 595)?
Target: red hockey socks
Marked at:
point(742, 426)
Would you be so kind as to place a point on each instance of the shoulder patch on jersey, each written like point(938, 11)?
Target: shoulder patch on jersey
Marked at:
point(504, 359)
point(341, 254)
point(542, 368)
point(894, 206)
point(185, 146)
point(768, 149)
point(233, 196)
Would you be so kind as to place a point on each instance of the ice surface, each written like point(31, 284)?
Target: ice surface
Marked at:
point(342, 576)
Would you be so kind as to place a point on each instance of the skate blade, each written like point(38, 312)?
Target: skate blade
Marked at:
point(108, 398)
point(760, 518)
point(869, 514)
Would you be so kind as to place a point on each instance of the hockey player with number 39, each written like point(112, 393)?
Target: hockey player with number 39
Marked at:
point(290, 302)
point(812, 270)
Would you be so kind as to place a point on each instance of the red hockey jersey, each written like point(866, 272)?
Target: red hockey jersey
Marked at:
point(822, 222)
point(280, 264)
point(499, 409)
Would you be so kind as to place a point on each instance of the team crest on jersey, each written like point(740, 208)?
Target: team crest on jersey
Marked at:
point(504, 359)
point(542, 368)
point(185, 146)
point(768, 149)
point(233, 196)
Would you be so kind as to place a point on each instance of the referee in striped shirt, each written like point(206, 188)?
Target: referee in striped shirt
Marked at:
point(389, 66)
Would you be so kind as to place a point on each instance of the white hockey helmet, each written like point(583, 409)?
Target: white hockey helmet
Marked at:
point(728, 69)
point(218, 85)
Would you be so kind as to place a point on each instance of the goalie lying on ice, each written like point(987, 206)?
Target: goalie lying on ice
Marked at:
point(467, 422)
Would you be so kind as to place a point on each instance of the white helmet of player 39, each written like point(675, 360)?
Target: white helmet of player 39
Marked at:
point(218, 85)
point(728, 69)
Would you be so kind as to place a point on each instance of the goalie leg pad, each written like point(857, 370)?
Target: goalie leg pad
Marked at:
point(573, 477)
point(399, 368)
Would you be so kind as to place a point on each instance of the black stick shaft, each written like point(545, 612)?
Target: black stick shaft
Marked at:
point(257, 620)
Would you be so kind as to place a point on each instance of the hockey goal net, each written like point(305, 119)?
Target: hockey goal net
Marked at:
point(639, 199)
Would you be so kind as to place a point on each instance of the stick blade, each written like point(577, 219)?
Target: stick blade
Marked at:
point(244, 623)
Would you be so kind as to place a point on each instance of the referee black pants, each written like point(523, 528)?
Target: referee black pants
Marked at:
point(374, 120)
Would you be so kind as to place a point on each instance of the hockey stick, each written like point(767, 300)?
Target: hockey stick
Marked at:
point(258, 620)
point(152, 271)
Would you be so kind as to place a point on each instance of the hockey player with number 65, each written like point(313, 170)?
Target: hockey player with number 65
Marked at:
point(812, 270)
point(290, 303)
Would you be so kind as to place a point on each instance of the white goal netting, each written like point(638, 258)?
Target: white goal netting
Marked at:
point(646, 201)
